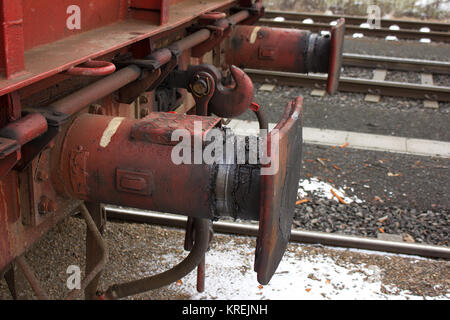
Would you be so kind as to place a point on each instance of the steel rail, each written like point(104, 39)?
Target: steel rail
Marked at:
point(334, 240)
point(401, 34)
point(384, 88)
point(357, 20)
point(398, 64)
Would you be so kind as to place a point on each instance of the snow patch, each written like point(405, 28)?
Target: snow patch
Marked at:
point(322, 189)
point(230, 276)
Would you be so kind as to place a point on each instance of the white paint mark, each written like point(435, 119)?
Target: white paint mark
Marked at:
point(110, 131)
point(254, 35)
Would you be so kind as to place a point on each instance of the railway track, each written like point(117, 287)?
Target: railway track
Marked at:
point(348, 84)
point(397, 64)
point(377, 86)
point(296, 236)
point(402, 29)
point(357, 20)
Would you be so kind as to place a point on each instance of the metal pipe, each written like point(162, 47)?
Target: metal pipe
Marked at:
point(384, 88)
point(76, 101)
point(30, 276)
point(335, 240)
point(278, 49)
point(239, 17)
point(262, 119)
point(25, 129)
point(179, 271)
point(393, 63)
point(103, 252)
point(191, 41)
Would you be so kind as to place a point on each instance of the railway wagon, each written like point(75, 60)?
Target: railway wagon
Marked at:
point(119, 101)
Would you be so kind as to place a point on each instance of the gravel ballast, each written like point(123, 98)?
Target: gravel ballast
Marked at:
point(306, 272)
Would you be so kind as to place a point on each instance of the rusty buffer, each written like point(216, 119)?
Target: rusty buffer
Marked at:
point(287, 50)
point(129, 163)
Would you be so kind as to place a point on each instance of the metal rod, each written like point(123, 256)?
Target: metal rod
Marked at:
point(350, 29)
point(29, 274)
point(239, 17)
point(103, 252)
point(185, 267)
point(392, 63)
point(76, 101)
point(25, 129)
point(335, 240)
point(262, 119)
point(385, 88)
point(355, 20)
point(191, 40)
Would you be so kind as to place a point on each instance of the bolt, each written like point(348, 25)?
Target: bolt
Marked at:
point(42, 176)
point(97, 109)
point(200, 87)
point(145, 112)
point(52, 206)
point(47, 205)
point(143, 100)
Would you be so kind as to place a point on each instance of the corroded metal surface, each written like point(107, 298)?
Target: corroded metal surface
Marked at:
point(279, 192)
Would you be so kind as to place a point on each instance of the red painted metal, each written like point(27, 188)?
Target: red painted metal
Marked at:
point(213, 16)
point(92, 68)
point(279, 192)
point(162, 6)
point(288, 50)
point(211, 95)
point(52, 58)
point(62, 158)
point(337, 49)
point(159, 127)
point(12, 46)
point(269, 48)
point(9, 156)
point(76, 101)
point(26, 129)
point(230, 103)
point(46, 21)
point(134, 168)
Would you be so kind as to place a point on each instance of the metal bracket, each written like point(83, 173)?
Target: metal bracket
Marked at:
point(30, 150)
